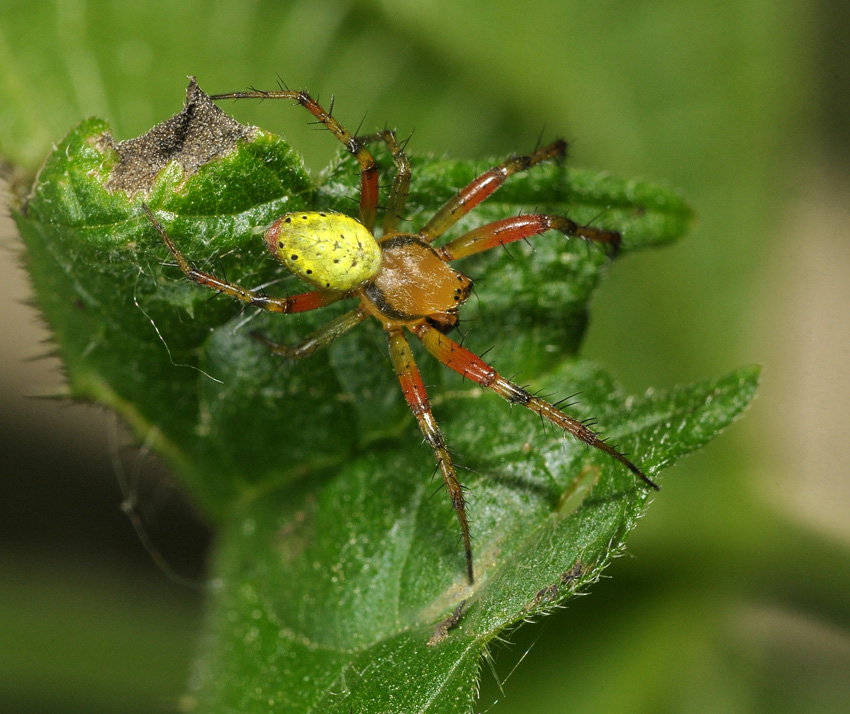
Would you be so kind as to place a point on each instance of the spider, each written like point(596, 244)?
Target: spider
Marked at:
point(403, 280)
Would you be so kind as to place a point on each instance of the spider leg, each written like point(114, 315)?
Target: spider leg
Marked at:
point(417, 399)
point(296, 303)
point(508, 230)
point(482, 187)
point(468, 364)
point(401, 183)
point(321, 338)
point(368, 167)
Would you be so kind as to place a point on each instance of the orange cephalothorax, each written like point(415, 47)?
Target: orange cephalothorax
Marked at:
point(414, 282)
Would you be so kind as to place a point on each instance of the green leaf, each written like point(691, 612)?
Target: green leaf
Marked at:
point(339, 581)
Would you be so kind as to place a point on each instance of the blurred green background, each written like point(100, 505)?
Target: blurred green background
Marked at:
point(734, 597)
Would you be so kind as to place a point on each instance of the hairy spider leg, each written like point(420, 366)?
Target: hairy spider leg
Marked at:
point(484, 186)
point(368, 167)
point(417, 399)
point(295, 303)
point(469, 365)
point(401, 183)
point(508, 230)
point(320, 339)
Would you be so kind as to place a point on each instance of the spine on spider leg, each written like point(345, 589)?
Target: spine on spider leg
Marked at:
point(401, 183)
point(417, 399)
point(484, 186)
point(572, 426)
point(595, 235)
point(468, 364)
point(296, 303)
point(369, 169)
point(508, 230)
point(322, 338)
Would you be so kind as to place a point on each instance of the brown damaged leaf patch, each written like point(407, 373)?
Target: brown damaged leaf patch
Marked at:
point(199, 133)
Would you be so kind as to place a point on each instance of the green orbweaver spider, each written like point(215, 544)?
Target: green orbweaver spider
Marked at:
point(403, 280)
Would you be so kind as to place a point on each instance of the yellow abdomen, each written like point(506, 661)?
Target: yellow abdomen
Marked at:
point(329, 250)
